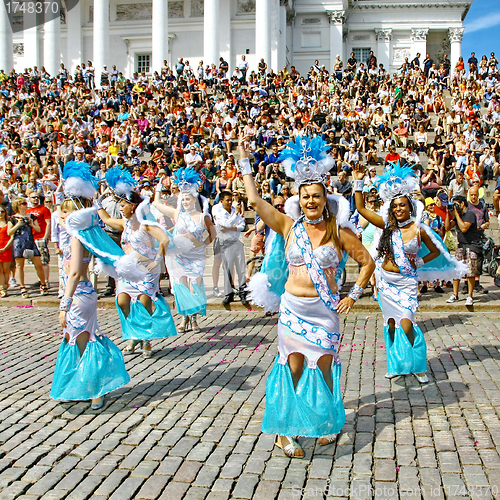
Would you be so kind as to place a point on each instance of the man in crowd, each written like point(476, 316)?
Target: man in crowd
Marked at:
point(229, 225)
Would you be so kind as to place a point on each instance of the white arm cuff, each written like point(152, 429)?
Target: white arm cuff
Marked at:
point(245, 166)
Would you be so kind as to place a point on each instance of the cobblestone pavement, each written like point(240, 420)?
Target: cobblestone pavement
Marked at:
point(188, 424)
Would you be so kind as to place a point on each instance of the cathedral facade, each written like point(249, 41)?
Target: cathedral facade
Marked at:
point(138, 35)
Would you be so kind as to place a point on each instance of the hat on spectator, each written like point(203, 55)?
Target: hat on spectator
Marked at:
point(429, 201)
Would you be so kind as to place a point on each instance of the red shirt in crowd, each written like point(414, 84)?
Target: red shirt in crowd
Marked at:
point(42, 215)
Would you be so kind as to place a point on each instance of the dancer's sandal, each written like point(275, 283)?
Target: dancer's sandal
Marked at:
point(24, 293)
point(422, 378)
point(98, 405)
point(289, 449)
point(131, 346)
point(44, 289)
point(3, 292)
point(328, 439)
point(194, 324)
point(184, 326)
point(146, 349)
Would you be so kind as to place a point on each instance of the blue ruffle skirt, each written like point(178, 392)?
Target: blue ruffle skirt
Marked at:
point(140, 325)
point(190, 302)
point(311, 410)
point(97, 372)
point(402, 357)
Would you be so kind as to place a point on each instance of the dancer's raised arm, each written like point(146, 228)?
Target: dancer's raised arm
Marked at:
point(162, 207)
point(273, 218)
point(358, 174)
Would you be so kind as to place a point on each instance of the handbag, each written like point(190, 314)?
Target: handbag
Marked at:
point(450, 241)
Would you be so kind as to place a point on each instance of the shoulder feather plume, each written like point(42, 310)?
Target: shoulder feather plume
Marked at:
point(306, 160)
point(79, 181)
point(120, 181)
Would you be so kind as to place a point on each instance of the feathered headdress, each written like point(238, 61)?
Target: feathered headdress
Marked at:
point(396, 182)
point(306, 160)
point(121, 182)
point(79, 181)
point(187, 179)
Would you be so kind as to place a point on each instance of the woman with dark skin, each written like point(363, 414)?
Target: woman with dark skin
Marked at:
point(399, 219)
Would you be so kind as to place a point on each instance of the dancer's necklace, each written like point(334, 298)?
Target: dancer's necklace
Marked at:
point(314, 221)
point(405, 223)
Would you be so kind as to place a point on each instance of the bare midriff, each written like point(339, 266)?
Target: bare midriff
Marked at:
point(299, 283)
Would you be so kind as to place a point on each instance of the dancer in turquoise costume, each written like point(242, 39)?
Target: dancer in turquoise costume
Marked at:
point(88, 365)
point(303, 395)
point(186, 267)
point(144, 313)
point(401, 264)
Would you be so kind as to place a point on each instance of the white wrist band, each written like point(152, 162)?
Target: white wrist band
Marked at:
point(245, 167)
point(359, 185)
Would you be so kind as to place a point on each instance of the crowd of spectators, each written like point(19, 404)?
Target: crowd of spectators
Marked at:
point(444, 121)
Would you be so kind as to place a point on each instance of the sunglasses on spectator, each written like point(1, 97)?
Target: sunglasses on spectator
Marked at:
point(24, 203)
point(279, 205)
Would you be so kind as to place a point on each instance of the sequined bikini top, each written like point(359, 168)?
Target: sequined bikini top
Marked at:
point(413, 246)
point(326, 256)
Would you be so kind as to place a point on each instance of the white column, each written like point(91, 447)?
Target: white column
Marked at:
point(160, 34)
point(263, 31)
point(6, 44)
point(224, 28)
point(211, 33)
point(52, 40)
point(275, 34)
point(419, 45)
point(74, 40)
point(455, 36)
point(336, 18)
point(30, 39)
point(101, 38)
point(384, 37)
point(282, 35)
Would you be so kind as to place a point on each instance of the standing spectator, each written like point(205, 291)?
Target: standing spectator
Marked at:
point(469, 249)
point(479, 208)
point(21, 226)
point(230, 225)
point(6, 241)
point(42, 235)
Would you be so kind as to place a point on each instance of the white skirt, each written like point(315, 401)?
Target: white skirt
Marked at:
point(398, 295)
point(317, 335)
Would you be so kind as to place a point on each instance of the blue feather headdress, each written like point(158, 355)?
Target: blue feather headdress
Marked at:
point(306, 160)
point(188, 180)
point(79, 181)
point(396, 182)
point(121, 182)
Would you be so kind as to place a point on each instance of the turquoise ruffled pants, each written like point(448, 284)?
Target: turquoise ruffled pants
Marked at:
point(140, 325)
point(97, 372)
point(402, 357)
point(310, 410)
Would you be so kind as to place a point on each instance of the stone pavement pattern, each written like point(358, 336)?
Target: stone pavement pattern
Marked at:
point(188, 424)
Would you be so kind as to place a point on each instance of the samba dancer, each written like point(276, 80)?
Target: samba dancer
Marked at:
point(186, 269)
point(402, 260)
point(144, 313)
point(302, 400)
point(89, 365)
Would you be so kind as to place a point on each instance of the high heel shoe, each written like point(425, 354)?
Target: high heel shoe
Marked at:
point(146, 349)
point(184, 326)
point(99, 405)
point(289, 449)
point(131, 346)
point(194, 324)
